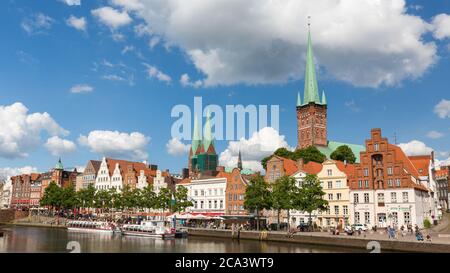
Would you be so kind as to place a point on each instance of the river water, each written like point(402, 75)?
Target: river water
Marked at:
point(36, 239)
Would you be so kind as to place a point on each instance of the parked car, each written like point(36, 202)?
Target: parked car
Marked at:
point(349, 230)
point(360, 227)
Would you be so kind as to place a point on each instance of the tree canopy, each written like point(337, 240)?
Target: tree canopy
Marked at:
point(343, 153)
point(257, 196)
point(310, 153)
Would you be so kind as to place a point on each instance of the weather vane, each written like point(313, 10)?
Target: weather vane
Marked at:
point(309, 21)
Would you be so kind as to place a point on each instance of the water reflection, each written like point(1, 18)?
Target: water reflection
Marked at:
point(31, 239)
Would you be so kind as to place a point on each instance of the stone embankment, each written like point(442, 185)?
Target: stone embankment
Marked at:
point(319, 238)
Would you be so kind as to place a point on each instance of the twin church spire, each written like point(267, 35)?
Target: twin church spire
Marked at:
point(311, 89)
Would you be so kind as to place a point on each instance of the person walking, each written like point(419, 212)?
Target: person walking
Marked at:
point(388, 230)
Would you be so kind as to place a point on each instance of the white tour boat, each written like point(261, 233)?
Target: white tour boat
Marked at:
point(91, 226)
point(153, 228)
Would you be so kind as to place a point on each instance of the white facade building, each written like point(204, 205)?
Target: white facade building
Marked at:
point(300, 217)
point(390, 207)
point(103, 180)
point(5, 197)
point(207, 195)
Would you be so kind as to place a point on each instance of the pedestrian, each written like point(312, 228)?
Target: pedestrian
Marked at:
point(428, 238)
point(388, 230)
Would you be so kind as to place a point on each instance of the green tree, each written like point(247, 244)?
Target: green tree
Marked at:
point(283, 191)
point(343, 153)
point(310, 196)
point(181, 199)
point(149, 197)
point(309, 154)
point(257, 196)
point(68, 198)
point(52, 196)
point(102, 199)
point(164, 199)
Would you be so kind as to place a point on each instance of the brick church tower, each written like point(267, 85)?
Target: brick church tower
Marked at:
point(312, 113)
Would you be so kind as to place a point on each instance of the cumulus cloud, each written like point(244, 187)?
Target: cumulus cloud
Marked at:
point(58, 146)
point(8, 171)
point(117, 144)
point(362, 42)
point(261, 144)
point(176, 147)
point(72, 2)
point(154, 72)
point(81, 88)
point(111, 17)
point(154, 41)
point(77, 23)
point(442, 109)
point(37, 23)
point(128, 4)
point(441, 26)
point(434, 134)
point(185, 80)
point(415, 147)
point(20, 132)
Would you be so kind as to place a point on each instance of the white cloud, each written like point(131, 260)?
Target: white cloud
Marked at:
point(20, 132)
point(72, 2)
point(154, 41)
point(176, 147)
point(80, 168)
point(362, 42)
point(128, 4)
point(77, 23)
point(442, 109)
point(186, 81)
point(112, 17)
point(154, 72)
point(127, 49)
point(434, 134)
point(8, 171)
point(441, 26)
point(81, 88)
point(258, 146)
point(442, 163)
point(415, 147)
point(58, 146)
point(116, 144)
point(118, 37)
point(37, 23)
point(352, 106)
point(112, 77)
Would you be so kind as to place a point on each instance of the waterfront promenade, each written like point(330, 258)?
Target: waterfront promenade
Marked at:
point(439, 243)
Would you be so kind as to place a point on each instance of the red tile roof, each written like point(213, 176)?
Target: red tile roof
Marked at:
point(348, 169)
point(312, 167)
point(421, 162)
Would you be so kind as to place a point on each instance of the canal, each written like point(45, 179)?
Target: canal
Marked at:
point(36, 239)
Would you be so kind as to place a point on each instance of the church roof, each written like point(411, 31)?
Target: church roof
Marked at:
point(332, 146)
point(311, 90)
point(59, 165)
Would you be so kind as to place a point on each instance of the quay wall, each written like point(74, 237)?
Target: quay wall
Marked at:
point(324, 239)
point(8, 215)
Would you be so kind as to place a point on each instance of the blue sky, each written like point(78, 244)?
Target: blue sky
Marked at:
point(43, 57)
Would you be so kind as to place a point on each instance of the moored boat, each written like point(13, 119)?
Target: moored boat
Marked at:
point(154, 229)
point(91, 226)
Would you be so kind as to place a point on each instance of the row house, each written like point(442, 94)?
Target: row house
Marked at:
point(63, 178)
point(21, 190)
point(442, 181)
point(116, 174)
point(5, 197)
point(35, 193)
point(334, 178)
point(208, 195)
point(89, 175)
point(387, 188)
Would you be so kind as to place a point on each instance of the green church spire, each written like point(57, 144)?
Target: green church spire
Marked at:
point(324, 99)
point(311, 89)
point(207, 140)
point(299, 101)
point(196, 138)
